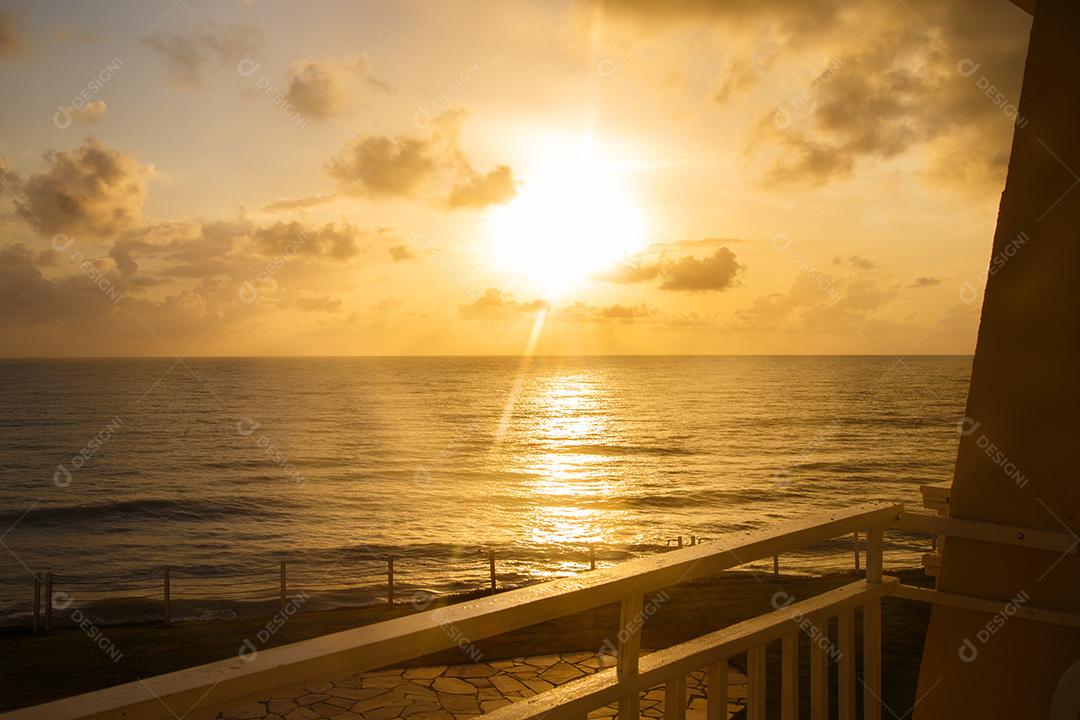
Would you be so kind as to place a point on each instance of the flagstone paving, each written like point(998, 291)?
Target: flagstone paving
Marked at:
point(459, 691)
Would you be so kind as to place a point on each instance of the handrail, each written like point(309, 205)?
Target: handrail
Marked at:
point(200, 691)
point(576, 698)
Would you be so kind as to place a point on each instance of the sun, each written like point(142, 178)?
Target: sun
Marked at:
point(571, 220)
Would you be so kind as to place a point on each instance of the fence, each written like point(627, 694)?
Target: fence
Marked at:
point(270, 585)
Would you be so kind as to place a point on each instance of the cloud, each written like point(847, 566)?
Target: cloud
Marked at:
point(478, 191)
point(88, 114)
point(379, 166)
point(10, 35)
point(855, 261)
point(879, 98)
point(329, 241)
point(400, 253)
point(186, 56)
point(297, 203)
point(494, 304)
point(317, 303)
point(819, 303)
point(321, 88)
point(925, 281)
point(93, 189)
point(714, 272)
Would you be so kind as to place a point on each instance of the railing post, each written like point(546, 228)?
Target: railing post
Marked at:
point(845, 685)
point(491, 563)
point(680, 541)
point(819, 674)
point(390, 581)
point(675, 698)
point(166, 596)
point(855, 547)
point(789, 677)
point(718, 690)
point(755, 683)
point(872, 628)
point(37, 603)
point(776, 565)
point(629, 650)
point(283, 584)
point(592, 557)
point(48, 601)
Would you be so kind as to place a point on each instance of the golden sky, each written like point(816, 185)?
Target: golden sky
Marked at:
point(625, 176)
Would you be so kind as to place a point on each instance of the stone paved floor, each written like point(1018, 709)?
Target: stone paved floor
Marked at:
point(458, 691)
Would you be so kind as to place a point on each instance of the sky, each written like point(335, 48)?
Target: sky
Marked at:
point(185, 177)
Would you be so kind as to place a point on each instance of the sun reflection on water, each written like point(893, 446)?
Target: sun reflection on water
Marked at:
point(568, 474)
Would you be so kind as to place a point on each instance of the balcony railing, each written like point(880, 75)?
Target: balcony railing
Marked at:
point(203, 691)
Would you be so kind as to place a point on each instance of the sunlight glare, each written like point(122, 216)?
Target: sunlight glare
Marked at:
point(573, 221)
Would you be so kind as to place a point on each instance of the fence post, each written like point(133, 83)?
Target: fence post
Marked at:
point(283, 584)
point(168, 603)
point(872, 627)
point(855, 545)
point(37, 603)
point(491, 561)
point(680, 541)
point(693, 540)
point(48, 601)
point(776, 565)
point(592, 557)
point(390, 581)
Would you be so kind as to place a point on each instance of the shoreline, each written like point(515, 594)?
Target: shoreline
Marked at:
point(70, 661)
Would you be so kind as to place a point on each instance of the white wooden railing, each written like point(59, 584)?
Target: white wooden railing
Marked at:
point(203, 691)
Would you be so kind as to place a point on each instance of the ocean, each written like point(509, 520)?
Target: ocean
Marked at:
point(222, 468)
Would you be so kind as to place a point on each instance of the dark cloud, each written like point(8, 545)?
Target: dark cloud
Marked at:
point(902, 89)
point(187, 56)
point(716, 272)
point(380, 166)
point(322, 88)
point(925, 281)
point(91, 190)
point(478, 191)
point(494, 304)
point(403, 166)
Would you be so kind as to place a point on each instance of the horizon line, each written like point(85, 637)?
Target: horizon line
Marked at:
point(486, 355)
